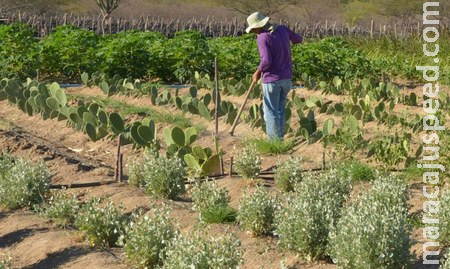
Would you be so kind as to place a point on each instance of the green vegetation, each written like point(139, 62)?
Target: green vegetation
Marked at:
point(201, 251)
point(248, 163)
point(377, 225)
point(147, 239)
point(311, 213)
point(211, 202)
point(68, 52)
point(160, 176)
point(22, 183)
point(102, 224)
point(288, 174)
point(273, 146)
point(257, 211)
point(61, 208)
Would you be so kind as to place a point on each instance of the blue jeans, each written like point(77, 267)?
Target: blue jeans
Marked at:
point(275, 95)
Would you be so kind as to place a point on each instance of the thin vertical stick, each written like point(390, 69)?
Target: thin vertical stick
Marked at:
point(216, 112)
point(121, 167)
point(230, 173)
point(217, 101)
point(116, 172)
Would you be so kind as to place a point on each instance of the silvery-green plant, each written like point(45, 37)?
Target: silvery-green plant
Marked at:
point(374, 232)
point(22, 183)
point(145, 241)
point(446, 262)
point(304, 223)
point(288, 174)
point(248, 162)
point(208, 194)
point(61, 208)
point(212, 203)
point(136, 172)
point(257, 211)
point(195, 251)
point(5, 262)
point(161, 176)
point(102, 224)
point(444, 217)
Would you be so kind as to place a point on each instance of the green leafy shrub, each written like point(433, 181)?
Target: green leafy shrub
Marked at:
point(69, 51)
point(248, 163)
point(160, 176)
point(147, 239)
point(19, 51)
point(194, 251)
point(212, 203)
point(189, 52)
point(21, 182)
point(288, 174)
point(305, 222)
point(356, 170)
point(331, 57)
point(257, 211)
point(374, 232)
point(103, 225)
point(61, 208)
point(134, 54)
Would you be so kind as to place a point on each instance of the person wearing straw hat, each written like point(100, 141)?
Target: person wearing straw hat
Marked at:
point(275, 67)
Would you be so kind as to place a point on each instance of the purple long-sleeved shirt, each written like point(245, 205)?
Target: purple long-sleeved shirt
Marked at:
point(275, 52)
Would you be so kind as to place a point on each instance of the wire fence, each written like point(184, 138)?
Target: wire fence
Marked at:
point(210, 27)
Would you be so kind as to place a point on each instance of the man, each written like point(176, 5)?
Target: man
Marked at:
point(276, 69)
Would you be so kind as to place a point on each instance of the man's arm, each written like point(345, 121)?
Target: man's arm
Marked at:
point(295, 38)
point(264, 53)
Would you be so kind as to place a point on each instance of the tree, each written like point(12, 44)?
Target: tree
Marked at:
point(404, 11)
point(107, 7)
point(266, 7)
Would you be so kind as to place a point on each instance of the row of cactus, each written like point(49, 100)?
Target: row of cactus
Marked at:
point(112, 85)
point(51, 101)
point(376, 90)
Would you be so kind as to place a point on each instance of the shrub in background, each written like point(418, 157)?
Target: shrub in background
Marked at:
point(69, 51)
point(103, 225)
point(257, 211)
point(248, 163)
point(146, 240)
point(304, 223)
point(21, 182)
point(19, 51)
point(61, 208)
point(288, 174)
point(194, 251)
point(374, 232)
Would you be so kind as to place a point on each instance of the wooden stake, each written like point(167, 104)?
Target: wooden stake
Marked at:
point(116, 171)
point(121, 167)
point(230, 173)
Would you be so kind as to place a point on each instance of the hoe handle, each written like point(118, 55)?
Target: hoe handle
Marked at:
point(236, 120)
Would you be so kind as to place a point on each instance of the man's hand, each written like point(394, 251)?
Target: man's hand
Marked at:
point(256, 76)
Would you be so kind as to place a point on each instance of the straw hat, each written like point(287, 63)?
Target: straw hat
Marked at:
point(256, 20)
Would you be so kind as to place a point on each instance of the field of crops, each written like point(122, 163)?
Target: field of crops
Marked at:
point(132, 163)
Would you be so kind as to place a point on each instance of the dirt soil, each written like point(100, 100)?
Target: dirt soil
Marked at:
point(33, 242)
